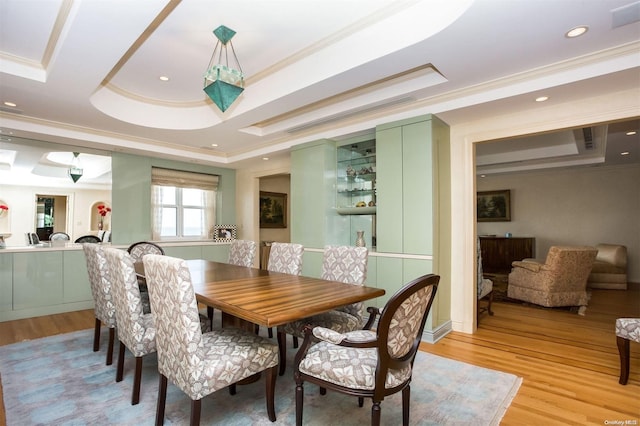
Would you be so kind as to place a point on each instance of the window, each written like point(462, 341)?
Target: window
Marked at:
point(183, 204)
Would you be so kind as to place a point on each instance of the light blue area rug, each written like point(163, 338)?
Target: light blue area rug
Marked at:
point(59, 380)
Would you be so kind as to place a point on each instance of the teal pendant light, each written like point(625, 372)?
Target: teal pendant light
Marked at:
point(75, 170)
point(223, 83)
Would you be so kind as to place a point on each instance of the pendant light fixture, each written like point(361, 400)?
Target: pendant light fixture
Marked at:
point(75, 170)
point(223, 83)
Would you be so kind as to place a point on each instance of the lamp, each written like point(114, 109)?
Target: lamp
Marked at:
point(75, 170)
point(222, 83)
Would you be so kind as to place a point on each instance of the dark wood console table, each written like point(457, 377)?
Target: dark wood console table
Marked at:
point(499, 252)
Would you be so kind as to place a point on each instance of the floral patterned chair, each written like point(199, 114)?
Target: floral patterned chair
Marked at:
point(136, 330)
point(138, 251)
point(627, 329)
point(104, 306)
point(339, 263)
point(200, 364)
point(560, 281)
point(379, 363)
point(242, 253)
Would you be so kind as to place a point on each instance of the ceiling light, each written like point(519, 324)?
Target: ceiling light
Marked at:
point(223, 84)
point(163, 78)
point(542, 98)
point(631, 133)
point(625, 153)
point(11, 104)
point(577, 31)
point(265, 158)
point(214, 145)
point(75, 170)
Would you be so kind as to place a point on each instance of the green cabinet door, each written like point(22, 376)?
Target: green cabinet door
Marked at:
point(76, 278)
point(37, 279)
point(6, 282)
point(389, 190)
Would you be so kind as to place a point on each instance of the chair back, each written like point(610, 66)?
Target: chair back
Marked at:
point(346, 264)
point(286, 258)
point(242, 253)
point(570, 266)
point(100, 281)
point(139, 249)
point(88, 239)
point(401, 325)
point(59, 236)
point(178, 334)
point(135, 329)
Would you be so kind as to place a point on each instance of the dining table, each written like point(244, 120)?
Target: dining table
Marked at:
point(251, 296)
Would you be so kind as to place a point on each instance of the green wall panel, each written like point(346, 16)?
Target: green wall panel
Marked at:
point(389, 190)
point(388, 277)
point(76, 278)
point(6, 281)
point(185, 252)
point(37, 279)
point(218, 253)
point(312, 264)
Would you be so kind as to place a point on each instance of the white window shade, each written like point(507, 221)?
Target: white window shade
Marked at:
point(181, 179)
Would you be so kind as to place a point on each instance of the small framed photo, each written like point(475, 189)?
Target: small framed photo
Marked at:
point(494, 206)
point(222, 233)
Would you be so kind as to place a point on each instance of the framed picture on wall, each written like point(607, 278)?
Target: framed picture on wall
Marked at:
point(494, 206)
point(273, 210)
point(224, 233)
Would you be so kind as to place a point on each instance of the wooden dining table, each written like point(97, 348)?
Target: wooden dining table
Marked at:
point(266, 298)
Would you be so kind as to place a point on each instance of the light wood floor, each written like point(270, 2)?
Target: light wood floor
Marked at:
point(569, 362)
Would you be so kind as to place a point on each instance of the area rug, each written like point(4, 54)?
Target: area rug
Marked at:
point(60, 380)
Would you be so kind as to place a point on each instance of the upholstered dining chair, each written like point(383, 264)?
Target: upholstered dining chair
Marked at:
point(137, 251)
point(103, 305)
point(136, 330)
point(484, 285)
point(59, 236)
point(287, 259)
point(242, 253)
point(87, 239)
point(200, 364)
point(379, 363)
point(627, 330)
point(339, 263)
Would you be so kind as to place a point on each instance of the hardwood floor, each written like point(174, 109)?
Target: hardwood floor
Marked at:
point(569, 362)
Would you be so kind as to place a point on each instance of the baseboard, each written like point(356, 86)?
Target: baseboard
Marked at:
point(432, 336)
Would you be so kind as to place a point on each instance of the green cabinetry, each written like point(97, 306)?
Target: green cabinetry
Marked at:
point(37, 279)
point(6, 282)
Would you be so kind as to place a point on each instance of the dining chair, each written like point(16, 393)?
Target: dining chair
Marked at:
point(137, 251)
point(339, 263)
point(200, 363)
point(242, 253)
point(59, 236)
point(136, 330)
point(287, 259)
point(87, 239)
point(366, 363)
point(103, 305)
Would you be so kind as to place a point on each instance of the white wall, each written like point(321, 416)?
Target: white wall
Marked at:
point(584, 206)
point(22, 210)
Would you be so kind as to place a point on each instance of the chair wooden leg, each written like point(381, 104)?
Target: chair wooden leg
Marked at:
point(112, 338)
point(232, 389)
point(295, 342)
point(282, 349)
point(299, 401)
point(623, 350)
point(270, 392)
point(270, 331)
point(96, 336)
point(195, 412)
point(360, 401)
point(489, 303)
point(210, 315)
point(375, 413)
point(120, 368)
point(135, 394)
point(323, 391)
point(162, 399)
point(406, 401)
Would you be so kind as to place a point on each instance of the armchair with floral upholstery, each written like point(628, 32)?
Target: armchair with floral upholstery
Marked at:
point(560, 281)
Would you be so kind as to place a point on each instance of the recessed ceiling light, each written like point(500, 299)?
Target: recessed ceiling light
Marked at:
point(577, 31)
point(10, 104)
point(265, 158)
point(631, 133)
point(542, 98)
point(625, 153)
point(483, 176)
point(214, 145)
point(164, 78)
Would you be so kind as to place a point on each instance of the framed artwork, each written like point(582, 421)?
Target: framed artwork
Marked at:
point(273, 210)
point(494, 206)
point(223, 233)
